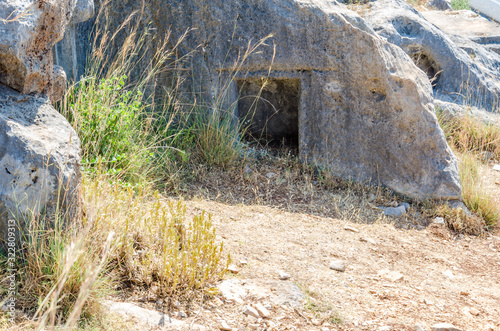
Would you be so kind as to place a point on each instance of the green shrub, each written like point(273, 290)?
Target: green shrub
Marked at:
point(460, 4)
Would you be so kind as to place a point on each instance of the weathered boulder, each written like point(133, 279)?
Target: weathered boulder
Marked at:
point(39, 159)
point(84, 10)
point(28, 32)
point(439, 4)
point(470, 75)
point(356, 103)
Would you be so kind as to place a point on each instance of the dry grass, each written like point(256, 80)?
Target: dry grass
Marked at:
point(277, 178)
point(125, 240)
point(474, 141)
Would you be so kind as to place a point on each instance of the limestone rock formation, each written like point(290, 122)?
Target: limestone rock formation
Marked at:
point(28, 32)
point(467, 29)
point(39, 150)
point(440, 4)
point(39, 158)
point(470, 74)
point(356, 103)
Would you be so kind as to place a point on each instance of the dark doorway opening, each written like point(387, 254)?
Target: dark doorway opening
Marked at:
point(427, 65)
point(268, 110)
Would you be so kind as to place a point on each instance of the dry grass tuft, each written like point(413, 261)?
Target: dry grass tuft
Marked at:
point(474, 140)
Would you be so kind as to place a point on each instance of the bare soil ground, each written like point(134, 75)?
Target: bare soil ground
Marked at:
point(445, 278)
point(400, 271)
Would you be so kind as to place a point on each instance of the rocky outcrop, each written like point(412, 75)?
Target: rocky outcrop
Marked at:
point(470, 75)
point(28, 32)
point(39, 150)
point(439, 4)
point(362, 107)
point(467, 29)
point(39, 159)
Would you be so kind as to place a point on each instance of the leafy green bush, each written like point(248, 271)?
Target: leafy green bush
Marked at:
point(111, 123)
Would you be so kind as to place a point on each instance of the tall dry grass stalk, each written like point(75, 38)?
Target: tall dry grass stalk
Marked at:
point(473, 140)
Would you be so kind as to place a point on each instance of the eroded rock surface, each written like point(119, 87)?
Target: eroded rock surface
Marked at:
point(28, 32)
point(469, 75)
point(364, 109)
point(439, 4)
point(466, 26)
point(39, 159)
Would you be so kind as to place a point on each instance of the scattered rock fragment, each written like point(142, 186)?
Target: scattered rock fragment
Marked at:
point(231, 290)
point(438, 220)
point(233, 268)
point(439, 4)
point(368, 240)
point(181, 314)
point(418, 327)
point(474, 311)
point(448, 273)
point(394, 211)
point(349, 228)
point(262, 310)
point(283, 275)
point(250, 311)
point(496, 167)
point(393, 276)
point(444, 327)
point(151, 318)
point(224, 326)
point(338, 265)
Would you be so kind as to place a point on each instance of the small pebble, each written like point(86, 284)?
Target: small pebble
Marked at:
point(394, 211)
point(250, 311)
point(262, 310)
point(283, 275)
point(224, 326)
point(348, 228)
point(418, 327)
point(444, 327)
point(438, 220)
point(393, 276)
point(338, 265)
point(232, 268)
point(368, 240)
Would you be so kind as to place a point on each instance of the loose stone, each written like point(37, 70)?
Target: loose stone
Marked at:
point(338, 265)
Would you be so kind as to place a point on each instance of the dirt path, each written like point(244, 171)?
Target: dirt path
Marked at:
point(444, 279)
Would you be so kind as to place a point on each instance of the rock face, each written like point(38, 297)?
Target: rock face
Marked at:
point(39, 159)
point(39, 151)
point(467, 29)
point(440, 4)
point(363, 109)
point(28, 32)
point(469, 75)
point(71, 52)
